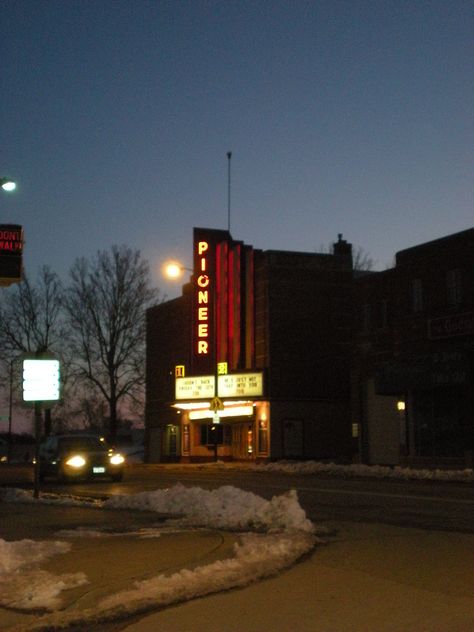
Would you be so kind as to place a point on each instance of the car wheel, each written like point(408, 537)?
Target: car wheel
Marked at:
point(117, 477)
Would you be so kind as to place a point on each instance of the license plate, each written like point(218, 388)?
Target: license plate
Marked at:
point(98, 470)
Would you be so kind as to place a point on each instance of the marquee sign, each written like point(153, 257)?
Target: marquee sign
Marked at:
point(240, 384)
point(199, 387)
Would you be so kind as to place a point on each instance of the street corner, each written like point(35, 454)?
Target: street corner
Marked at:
point(84, 563)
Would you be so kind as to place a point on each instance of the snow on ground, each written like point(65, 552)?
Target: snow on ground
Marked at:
point(275, 534)
point(23, 585)
point(356, 470)
point(367, 471)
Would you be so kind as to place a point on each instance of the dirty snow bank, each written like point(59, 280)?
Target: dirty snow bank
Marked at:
point(223, 508)
point(23, 585)
point(277, 535)
point(366, 471)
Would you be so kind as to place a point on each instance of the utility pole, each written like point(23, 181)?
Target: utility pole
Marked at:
point(229, 156)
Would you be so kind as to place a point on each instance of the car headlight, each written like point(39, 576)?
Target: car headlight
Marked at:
point(76, 461)
point(117, 459)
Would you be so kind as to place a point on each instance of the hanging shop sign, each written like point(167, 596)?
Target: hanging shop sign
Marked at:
point(11, 251)
point(199, 387)
point(240, 384)
point(450, 326)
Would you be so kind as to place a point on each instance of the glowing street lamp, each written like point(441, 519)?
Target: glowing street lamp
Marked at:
point(174, 270)
point(7, 184)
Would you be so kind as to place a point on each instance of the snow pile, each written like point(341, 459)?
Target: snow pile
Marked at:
point(277, 535)
point(15, 555)
point(15, 495)
point(366, 471)
point(26, 587)
point(256, 557)
point(223, 508)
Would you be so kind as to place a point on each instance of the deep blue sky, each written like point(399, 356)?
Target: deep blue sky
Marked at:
point(348, 117)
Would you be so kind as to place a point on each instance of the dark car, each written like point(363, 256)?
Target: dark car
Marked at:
point(71, 457)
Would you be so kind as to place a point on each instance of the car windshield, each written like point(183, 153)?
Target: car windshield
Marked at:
point(81, 443)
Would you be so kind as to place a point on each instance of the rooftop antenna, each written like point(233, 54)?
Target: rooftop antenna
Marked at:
point(229, 156)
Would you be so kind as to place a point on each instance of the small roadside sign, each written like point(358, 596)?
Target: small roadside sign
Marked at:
point(216, 404)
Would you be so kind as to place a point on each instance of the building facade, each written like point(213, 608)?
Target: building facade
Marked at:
point(288, 355)
point(413, 371)
point(251, 361)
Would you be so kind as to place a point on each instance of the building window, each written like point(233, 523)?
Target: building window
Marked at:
point(374, 316)
point(365, 319)
point(416, 295)
point(209, 432)
point(454, 287)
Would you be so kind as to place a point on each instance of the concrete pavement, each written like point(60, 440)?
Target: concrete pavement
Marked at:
point(369, 578)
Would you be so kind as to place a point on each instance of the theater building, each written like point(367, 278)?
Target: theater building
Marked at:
point(414, 356)
point(253, 360)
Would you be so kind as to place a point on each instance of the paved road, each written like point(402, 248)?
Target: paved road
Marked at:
point(429, 505)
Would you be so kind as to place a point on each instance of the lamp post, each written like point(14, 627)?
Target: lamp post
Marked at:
point(7, 184)
point(10, 413)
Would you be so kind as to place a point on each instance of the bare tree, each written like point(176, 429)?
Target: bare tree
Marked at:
point(30, 318)
point(105, 307)
point(30, 321)
point(362, 261)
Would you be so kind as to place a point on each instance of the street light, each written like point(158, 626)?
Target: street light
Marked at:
point(174, 270)
point(7, 184)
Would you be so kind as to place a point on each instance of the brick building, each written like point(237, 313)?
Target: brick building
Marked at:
point(313, 359)
point(273, 331)
point(413, 375)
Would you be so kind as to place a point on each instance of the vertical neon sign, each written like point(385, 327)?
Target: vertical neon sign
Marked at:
point(203, 283)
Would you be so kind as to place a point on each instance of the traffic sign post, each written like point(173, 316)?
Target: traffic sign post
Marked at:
point(41, 383)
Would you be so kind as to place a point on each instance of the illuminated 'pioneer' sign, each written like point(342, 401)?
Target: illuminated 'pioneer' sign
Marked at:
point(203, 302)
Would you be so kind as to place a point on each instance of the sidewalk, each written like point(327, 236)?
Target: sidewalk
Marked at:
point(369, 578)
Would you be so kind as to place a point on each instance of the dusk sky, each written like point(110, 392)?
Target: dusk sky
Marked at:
point(350, 117)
